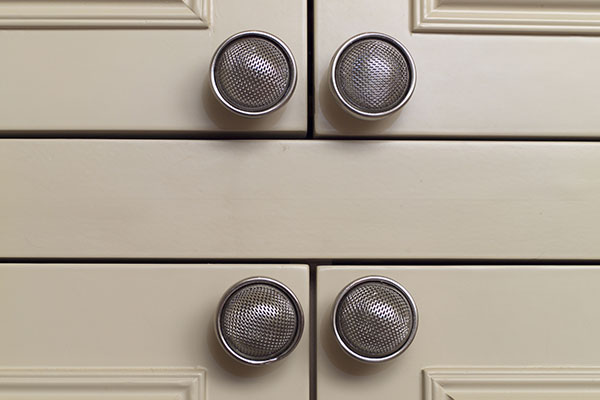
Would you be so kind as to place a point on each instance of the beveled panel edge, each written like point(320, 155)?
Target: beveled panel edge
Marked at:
point(105, 14)
point(434, 16)
point(183, 383)
point(453, 383)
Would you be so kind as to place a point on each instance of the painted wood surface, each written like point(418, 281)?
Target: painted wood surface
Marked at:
point(117, 331)
point(299, 199)
point(534, 76)
point(485, 332)
point(139, 67)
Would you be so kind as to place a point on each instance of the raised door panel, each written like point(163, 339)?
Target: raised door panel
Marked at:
point(103, 384)
point(140, 67)
point(484, 332)
point(532, 383)
point(549, 17)
point(501, 68)
point(132, 331)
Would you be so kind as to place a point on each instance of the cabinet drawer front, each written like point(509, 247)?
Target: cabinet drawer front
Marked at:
point(299, 199)
point(483, 332)
point(136, 67)
point(111, 324)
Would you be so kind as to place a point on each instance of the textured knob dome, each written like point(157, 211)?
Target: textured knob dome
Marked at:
point(372, 75)
point(259, 321)
point(375, 319)
point(253, 73)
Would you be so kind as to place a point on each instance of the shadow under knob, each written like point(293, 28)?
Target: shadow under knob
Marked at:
point(372, 75)
point(259, 321)
point(253, 73)
point(374, 319)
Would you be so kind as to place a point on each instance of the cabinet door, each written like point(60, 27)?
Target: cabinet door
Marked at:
point(125, 331)
point(484, 332)
point(501, 68)
point(135, 67)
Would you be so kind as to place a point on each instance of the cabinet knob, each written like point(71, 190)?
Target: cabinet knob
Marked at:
point(253, 73)
point(372, 75)
point(374, 319)
point(259, 321)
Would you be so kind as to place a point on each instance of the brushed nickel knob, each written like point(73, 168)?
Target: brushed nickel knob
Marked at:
point(253, 73)
point(374, 319)
point(372, 75)
point(259, 321)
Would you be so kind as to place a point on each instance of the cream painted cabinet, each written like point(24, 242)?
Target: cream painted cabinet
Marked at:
point(136, 67)
point(484, 332)
point(501, 68)
point(135, 331)
point(116, 320)
point(302, 199)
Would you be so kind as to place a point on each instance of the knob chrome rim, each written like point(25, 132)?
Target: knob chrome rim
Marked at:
point(374, 319)
point(259, 321)
point(368, 65)
point(253, 79)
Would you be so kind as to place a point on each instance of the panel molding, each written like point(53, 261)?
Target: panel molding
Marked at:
point(104, 14)
point(511, 384)
point(183, 384)
point(554, 17)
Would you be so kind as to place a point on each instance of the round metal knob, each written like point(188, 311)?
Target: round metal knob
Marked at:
point(374, 319)
point(259, 321)
point(372, 75)
point(253, 73)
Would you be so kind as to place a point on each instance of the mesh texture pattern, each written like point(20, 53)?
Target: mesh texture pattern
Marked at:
point(374, 319)
point(373, 75)
point(252, 74)
point(259, 322)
